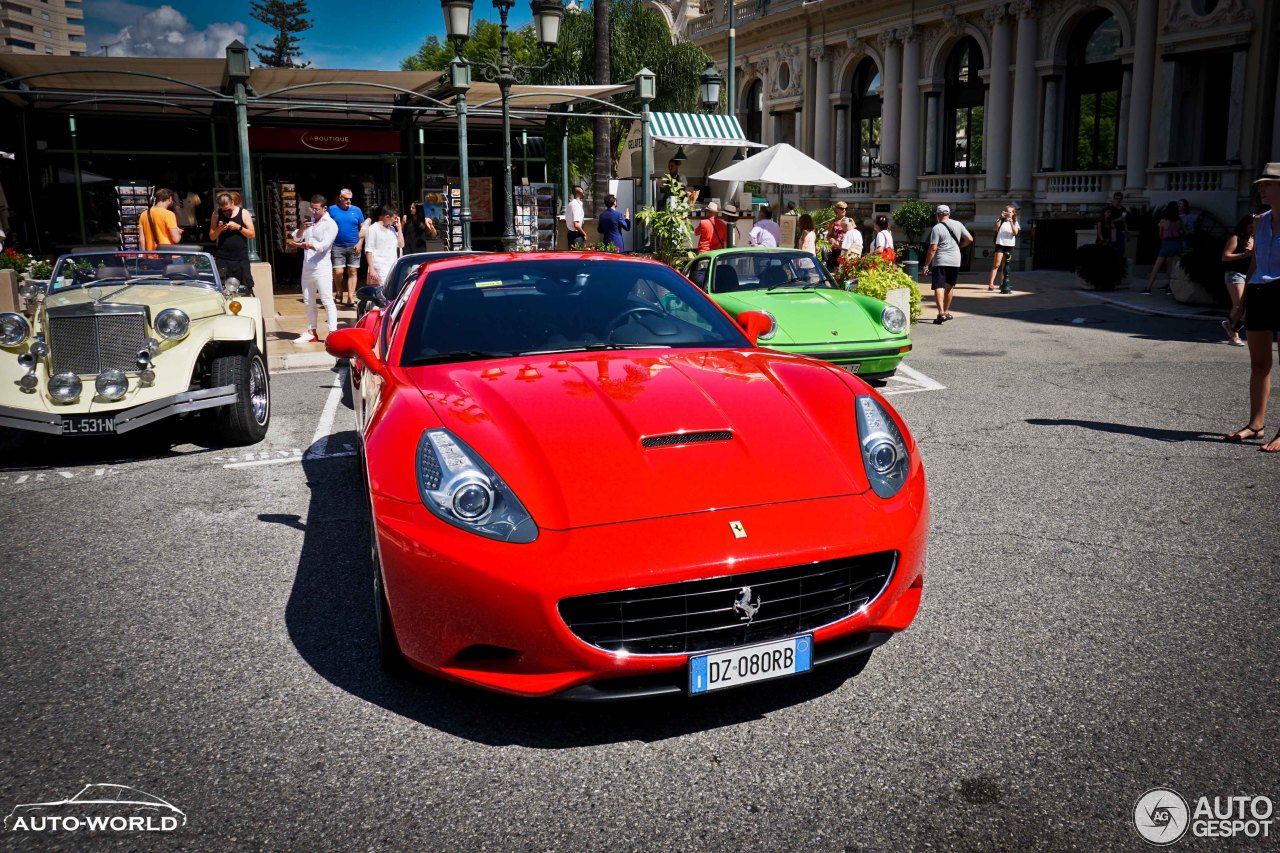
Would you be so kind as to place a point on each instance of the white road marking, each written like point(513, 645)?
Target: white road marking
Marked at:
point(325, 426)
point(913, 380)
point(42, 476)
point(253, 463)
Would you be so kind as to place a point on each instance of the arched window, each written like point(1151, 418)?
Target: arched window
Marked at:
point(1093, 94)
point(963, 98)
point(864, 119)
point(755, 112)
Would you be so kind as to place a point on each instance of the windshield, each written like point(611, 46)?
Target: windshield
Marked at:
point(768, 271)
point(189, 268)
point(509, 308)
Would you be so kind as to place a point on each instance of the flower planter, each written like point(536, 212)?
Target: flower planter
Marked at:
point(1187, 291)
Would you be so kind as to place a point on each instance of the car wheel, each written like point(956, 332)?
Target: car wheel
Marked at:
point(389, 655)
point(245, 421)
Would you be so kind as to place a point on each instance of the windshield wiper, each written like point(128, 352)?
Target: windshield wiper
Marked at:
point(594, 348)
point(459, 355)
point(799, 283)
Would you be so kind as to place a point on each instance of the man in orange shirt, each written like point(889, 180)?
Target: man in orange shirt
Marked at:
point(159, 225)
point(711, 231)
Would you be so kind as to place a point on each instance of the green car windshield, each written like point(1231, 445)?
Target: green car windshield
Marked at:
point(94, 268)
point(756, 270)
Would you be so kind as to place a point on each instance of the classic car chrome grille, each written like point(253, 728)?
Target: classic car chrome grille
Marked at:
point(685, 438)
point(701, 615)
point(91, 343)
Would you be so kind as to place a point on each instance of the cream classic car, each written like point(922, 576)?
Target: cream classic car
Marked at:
point(118, 340)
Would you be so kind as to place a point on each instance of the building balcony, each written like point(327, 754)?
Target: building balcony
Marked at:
point(1194, 179)
point(1078, 187)
point(957, 187)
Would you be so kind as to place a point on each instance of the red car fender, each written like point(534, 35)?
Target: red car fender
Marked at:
point(391, 435)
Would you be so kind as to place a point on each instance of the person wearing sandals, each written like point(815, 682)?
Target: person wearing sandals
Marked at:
point(1170, 227)
point(942, 263)
point(1262, 308)
point(1006, 229)
point(1235, 264)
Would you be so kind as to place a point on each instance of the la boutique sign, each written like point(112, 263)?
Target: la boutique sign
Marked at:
point(328, 141)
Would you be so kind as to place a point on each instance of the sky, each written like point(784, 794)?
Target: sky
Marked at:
point(344, 34)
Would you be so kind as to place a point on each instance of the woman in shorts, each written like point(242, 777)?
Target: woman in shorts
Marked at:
point(1170, 226)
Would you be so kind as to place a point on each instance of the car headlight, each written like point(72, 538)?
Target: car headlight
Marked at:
point(172, 324)
point(14, 329)
point(64, 387)
point(111, 384)
point(894, 319)
point(884, 453)
point(460, 488)
point(773, 327)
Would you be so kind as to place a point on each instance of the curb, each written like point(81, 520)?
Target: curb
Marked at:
point(284, 362)
point(1154, 310)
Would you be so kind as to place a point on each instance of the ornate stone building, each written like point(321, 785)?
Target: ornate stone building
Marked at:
point(1054, 104)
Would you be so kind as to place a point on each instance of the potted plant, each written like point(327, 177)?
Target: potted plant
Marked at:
point(872, 275)
point(1100, 267)
point(915, 216)
point(669, 227)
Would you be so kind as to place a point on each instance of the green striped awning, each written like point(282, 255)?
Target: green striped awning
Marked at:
point(698, 129)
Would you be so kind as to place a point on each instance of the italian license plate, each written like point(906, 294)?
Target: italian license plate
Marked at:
point(88, 424)
point(744, 665)
point(852, 368)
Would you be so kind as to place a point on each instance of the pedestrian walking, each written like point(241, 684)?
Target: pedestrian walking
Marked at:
point(159, 225)
point(316, 241)
point(835, 235)
point(1006, 230)
point(942, 262)
point(383, 243)
point(345, 254)
point(612, 223)
point(574, 218)
point(882, 239)
point(711, 230)
point(808, 234)
point(1170, 228)
point(417, 229)
point(1262, 308)
point(1236, 256)
point(232, 228)
point(1120, 222)
point(766, 232)
point(851, 245)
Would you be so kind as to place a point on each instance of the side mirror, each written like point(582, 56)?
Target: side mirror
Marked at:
point(754, 323)
point(372, 293)
point(355, 343)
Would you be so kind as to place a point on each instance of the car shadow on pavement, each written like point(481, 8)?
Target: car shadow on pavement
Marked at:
point(1102, 317)
point(170, 438)
point(330, 619)
point(1152, 433)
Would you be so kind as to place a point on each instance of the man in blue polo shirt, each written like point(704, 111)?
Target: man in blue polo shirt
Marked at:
point(345, 253)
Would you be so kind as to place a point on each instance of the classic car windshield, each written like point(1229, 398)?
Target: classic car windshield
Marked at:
point(88, 268)
point(757, 270)
point(508, 308)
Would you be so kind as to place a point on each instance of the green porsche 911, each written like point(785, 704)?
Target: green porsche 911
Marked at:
point(811, 313)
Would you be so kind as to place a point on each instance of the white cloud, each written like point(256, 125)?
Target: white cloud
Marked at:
point(167, 32)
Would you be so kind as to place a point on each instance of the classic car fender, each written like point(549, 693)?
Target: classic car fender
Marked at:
point(234, 328)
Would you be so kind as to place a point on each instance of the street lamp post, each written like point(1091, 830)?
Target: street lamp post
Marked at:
point(646, 83)
point(547, 15)
point(238, 74)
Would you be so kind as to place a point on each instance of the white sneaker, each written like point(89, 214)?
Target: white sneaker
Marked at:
point(308, 338)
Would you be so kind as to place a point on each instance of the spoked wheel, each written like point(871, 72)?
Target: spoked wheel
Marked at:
point(246, 420)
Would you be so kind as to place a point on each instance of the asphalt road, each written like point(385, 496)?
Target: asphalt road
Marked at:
point(1098, 621)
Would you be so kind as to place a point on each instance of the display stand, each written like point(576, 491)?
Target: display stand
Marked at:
point(284, 214)
point(526, 211)
point(546, 216)
point(452, 234)
point(132, 200)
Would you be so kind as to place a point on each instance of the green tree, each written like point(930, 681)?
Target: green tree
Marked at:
point(287, 18)
point(482, 47)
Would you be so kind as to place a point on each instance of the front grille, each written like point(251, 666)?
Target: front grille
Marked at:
point(685, 438)
point(91, 341)
point(699, 616)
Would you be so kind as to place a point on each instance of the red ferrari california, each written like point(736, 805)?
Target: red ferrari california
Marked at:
point(585, 480)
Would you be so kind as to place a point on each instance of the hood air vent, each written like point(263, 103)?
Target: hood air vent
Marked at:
point(686, 438)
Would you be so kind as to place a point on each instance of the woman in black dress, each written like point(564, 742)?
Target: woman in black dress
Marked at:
point(232, 227)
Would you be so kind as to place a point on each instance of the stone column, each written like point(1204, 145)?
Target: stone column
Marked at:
point(1164, 118)
point(1022, 155)
point(822, 107)
point(995, 134)
point(909, 144)
point(1140, 99)
point(890, 127)
point(1049, 144)
point(842, 139)
point(1235, 110)
point(775, 128)
point(1122, 132)
point(931, 105)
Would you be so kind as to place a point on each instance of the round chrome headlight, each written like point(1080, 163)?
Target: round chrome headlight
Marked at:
point(172, 324)
point(64, 387)
point(773, 327)
point(472, 501)
point(31, 291)
point(894, 319)
point(14, 329)
point(882, 455)
point(111, 384)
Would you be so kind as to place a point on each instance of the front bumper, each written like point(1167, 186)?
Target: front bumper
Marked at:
point(876, 358)
point(487, 613)
point(125, 419)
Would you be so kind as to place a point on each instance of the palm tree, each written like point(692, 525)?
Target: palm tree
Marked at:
point(603, 148)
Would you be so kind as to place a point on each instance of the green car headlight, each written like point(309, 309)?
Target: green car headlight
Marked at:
point(894, 319)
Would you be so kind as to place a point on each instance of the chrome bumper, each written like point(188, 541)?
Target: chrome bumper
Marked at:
point(126, 419)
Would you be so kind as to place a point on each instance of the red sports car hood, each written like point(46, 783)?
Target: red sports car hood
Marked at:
point(588, 439)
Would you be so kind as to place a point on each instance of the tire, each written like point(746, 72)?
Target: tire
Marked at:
point(390, 658)
point(246, 420)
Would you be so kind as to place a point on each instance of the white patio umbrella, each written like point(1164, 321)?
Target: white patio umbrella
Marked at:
point(782, 164)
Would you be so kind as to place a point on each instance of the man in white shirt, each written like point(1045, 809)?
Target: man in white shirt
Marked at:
point(766, 232)
point(382, 245)
point(316, 239)
point(574, 217)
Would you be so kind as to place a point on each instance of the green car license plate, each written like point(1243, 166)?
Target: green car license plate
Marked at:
point(744, 665)
point(852, 368)
point(88, 424)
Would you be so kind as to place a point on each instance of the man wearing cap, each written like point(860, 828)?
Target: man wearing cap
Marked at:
point(711, 230)
point(1262, 308)
point(946, 239)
